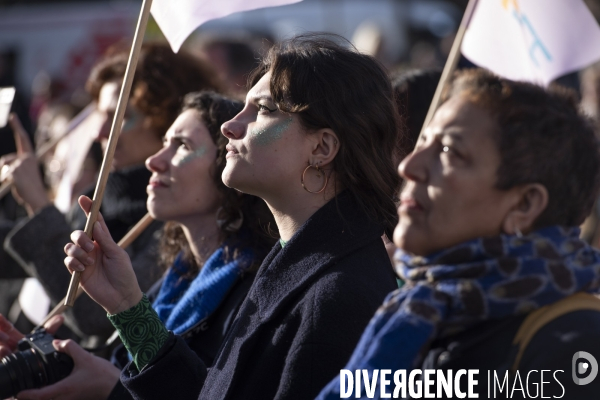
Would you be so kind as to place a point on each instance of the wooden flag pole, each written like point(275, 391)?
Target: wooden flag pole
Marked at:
point(46, 148)
point(133, 234)
point(115, 131)
point(451, 62)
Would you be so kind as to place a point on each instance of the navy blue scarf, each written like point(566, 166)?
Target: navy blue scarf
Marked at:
point(482, 279)
point(183, 303)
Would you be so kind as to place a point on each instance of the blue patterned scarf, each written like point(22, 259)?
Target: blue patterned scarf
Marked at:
point(183, 303)
point(482, 279)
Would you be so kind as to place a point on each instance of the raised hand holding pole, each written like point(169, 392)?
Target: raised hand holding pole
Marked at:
point(133, 234)
point(47, 147)
point(115, 131)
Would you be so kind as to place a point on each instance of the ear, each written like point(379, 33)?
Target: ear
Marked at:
point(325, 147)
point(532, 200)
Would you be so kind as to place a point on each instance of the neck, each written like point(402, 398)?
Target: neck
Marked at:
point(202, 234)
point(292, 211)
point(289, 221)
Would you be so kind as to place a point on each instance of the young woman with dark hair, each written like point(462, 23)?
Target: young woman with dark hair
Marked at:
point(488, 238)
point(162, 78)
point(214, 241)
point(316, 141)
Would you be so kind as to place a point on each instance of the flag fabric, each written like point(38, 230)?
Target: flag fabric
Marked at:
point(71, 152)
point(532, 40)
point(6, 98)
point(177, 19)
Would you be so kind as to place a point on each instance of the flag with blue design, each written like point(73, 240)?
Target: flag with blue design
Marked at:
point(532, 40)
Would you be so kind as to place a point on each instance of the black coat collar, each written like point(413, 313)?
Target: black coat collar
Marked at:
point(337, 229)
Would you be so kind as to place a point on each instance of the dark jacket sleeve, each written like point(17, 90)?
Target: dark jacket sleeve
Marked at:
point(37, 244)
point(185, 371)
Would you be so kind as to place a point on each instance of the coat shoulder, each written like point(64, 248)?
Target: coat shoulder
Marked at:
point(351, 290)
point(367, 270)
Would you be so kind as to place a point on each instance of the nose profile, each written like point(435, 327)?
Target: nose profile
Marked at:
point(414, 166)
point(157, 162)
point(233, 129)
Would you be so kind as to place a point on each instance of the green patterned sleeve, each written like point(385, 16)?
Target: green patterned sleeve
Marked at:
point(141, 331)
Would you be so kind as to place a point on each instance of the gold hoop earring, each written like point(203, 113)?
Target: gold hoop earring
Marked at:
point(319, 170)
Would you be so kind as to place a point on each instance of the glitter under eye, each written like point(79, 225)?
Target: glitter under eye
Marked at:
point(446, 149)
point(270, 134)
point(200, 151)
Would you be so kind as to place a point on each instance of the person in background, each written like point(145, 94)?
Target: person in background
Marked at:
point(590, 90)
point(162, 79)
point(233, 58)
point(11, 275)
point(52, 123)
point(315, 140)
point(590, 104)
point(488, 233)
point(213, 242)
point(413, 92)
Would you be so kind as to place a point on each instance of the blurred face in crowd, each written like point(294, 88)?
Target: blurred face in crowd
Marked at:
point(267, 150)
point(137, 140)
point(182, 184)
point(450, 193)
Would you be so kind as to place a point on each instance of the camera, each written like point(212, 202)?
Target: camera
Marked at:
point(35, 365)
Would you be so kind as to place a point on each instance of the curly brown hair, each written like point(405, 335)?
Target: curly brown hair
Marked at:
point(161, 80)
point(542, 138)
point(258, 230)
point(332, 86)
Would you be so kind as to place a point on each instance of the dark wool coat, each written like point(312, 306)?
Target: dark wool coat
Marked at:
point(488, 347)
point(297, 328)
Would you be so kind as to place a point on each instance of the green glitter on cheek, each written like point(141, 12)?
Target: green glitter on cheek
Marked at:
point(200, 151)
point(268, 135)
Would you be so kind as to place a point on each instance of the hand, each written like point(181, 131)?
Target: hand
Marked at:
point(10, 336)
point(21, 168)
point(106, 272)
point(93, 378)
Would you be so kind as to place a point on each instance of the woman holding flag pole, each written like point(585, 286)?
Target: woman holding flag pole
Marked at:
point(162, 79)
point(213, 241)
point(310, 144)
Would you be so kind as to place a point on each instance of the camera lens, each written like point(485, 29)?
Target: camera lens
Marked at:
point(20, 371)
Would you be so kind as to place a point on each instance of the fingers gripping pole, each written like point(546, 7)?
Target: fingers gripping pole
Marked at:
point(133, 234)
point(115, 131)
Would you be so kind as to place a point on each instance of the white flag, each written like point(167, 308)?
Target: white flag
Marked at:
point(532, 40)
point(71, 152)
point(177, 19)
